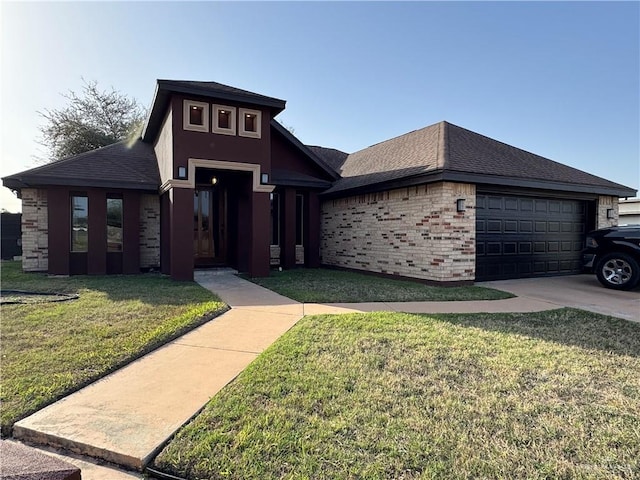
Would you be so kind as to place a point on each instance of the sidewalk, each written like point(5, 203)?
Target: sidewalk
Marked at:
point(128, 416)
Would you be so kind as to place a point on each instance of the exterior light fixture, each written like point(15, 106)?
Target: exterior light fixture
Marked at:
point(182, 172)
point(214, 180)
point(609, 213)
point(264, 178)
point(460, 205)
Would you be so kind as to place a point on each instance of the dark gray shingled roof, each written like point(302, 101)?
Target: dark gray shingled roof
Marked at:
point(219, 90)
point(332, 157)
point(119, 165)
point(447, 152)
point(296, 179)
point(164, 89)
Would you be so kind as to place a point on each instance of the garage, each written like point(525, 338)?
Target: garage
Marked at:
point(527, 236)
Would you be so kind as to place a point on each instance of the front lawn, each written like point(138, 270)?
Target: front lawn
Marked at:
point(52, 349)
point(319, 285)
point(388, 395)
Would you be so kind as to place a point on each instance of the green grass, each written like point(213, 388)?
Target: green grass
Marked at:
point(387, 395)
point(336, 286)
point(52, 349)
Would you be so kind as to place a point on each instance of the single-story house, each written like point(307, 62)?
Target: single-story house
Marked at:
point(215, 180)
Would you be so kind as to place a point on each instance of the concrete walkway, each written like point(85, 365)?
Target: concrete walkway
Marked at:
point(577, 291)
point(128, 416)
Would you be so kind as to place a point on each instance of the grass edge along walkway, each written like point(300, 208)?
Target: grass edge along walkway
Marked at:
point(388, 395)
point(50, 350)
point(322, 285)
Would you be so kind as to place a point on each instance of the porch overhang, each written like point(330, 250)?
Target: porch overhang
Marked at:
point(194, 163)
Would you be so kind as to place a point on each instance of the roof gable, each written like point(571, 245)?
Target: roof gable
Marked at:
point(164, 89)
point(308, 152)
point(120, 165)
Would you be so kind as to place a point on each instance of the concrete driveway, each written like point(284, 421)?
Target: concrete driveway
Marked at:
point(578, 291)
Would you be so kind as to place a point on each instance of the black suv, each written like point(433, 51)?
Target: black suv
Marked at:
point(614, 254)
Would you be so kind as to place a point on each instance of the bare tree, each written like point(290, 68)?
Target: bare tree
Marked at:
point(93, 119)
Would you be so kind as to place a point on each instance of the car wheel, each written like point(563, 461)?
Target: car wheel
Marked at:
point(618, 271)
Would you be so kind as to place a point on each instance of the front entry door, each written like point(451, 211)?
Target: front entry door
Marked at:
point(210, 226)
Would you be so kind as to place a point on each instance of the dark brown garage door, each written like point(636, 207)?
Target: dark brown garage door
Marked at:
point(519, 237)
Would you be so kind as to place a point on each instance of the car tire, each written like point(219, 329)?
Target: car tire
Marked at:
point(618, 271)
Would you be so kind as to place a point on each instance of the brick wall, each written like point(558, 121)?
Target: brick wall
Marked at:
point(274, 255)
point(149, 231)
point(414, 232)
point(35, 230)
point(605, 203)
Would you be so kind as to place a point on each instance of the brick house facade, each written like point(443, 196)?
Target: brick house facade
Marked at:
point(216, 180)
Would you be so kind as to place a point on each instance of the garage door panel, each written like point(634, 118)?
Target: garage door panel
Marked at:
point(511, 204)
point(526, 205)
point(509, 248)
point(541, 206)
point(526, 226)
point(495, 203)
point(539, 247)
point(494, 226)
point(510, 226)
point(528, 236)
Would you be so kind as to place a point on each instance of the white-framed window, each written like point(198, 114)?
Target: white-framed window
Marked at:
point(195, 116)
point(224, 119)
point(250, 123)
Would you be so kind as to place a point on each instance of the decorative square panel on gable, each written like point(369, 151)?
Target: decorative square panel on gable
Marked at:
point(224, 120)
point(195, 116)
point(250, 123)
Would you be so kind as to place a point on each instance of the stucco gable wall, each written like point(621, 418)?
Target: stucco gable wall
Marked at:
point(163, 148)
point(414, 232)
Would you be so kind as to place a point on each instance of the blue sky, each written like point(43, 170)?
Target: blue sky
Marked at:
point(558, 79)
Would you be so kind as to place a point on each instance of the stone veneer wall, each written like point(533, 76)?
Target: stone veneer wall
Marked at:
point(149, 231)
point(414, 232)
point(35, 230)
point(605, 203)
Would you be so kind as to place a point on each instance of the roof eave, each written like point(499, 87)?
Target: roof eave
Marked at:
point(275, 104)
point(299, 182)
point(478, 178)
point(18, 183)
point(483, 179)
point(152, 125)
